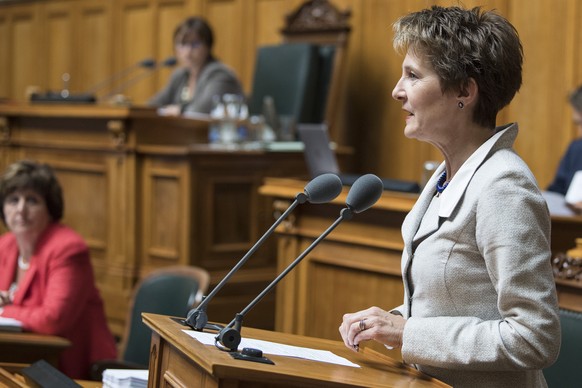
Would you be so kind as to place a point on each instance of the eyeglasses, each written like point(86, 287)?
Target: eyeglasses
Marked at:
point(191, 45)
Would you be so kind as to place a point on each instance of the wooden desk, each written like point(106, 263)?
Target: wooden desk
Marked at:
point(178, 360)
point(358, 264)
point(147, 192)
point(26, 348)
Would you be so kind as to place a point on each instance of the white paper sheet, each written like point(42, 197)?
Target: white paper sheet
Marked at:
point(574, 194)
point(557, 204)
point(278, 349)
point(125, 378)
point(10, 324)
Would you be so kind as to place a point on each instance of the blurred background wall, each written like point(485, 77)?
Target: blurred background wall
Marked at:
point(93, 39)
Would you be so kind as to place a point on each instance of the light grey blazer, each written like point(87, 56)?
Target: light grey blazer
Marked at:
point(215, 79)
point(480, 296)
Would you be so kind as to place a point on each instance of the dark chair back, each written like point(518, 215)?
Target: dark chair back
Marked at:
point(169, 291)
point(325, 66)
point(319, 22)
point(564, 372)
point(287, 73)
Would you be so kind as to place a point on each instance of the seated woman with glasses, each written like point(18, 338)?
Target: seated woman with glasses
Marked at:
point(200, 77)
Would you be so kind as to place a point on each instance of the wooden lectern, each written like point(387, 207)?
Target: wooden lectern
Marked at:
point(178, 360)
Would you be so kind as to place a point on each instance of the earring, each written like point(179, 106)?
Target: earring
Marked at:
point(461, 105)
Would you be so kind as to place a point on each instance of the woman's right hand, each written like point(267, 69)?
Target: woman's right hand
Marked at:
point(4, 298)
point(372, 324)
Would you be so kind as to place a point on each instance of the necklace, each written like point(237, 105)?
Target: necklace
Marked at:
point(21, 264)
point(441, 183)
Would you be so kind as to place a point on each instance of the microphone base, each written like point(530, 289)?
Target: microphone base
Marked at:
point(244, 357)
point(229, 338)
point(57, 98)
point(207, 327)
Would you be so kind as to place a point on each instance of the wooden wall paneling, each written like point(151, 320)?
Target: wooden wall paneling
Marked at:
point(113, 35)
point(227, 209)
point(167, 17)
point(230, 219)
point(122, 251)
point(134, 37)
point(94, 52)
point(377, 123)
point(541, 106)
point(59, 45)
point(226, 229)
point(286, 296)
point(165, 216)
point(191, 7)
point(571, 64)
point(230, 31)
point(5, 49)
point(576, 55)
point(26, 63)
point(122, 229)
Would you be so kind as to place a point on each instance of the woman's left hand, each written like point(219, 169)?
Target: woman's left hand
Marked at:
point(372, 324)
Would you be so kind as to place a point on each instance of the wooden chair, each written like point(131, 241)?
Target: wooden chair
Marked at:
point(320, 23)
point(172, 291)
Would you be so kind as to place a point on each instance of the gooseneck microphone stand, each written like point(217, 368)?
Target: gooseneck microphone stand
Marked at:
point(321, 189)
point(363, 194)
point(198, 318)
point(230, 336)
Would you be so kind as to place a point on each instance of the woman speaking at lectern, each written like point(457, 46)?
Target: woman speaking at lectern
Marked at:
point(480, 306)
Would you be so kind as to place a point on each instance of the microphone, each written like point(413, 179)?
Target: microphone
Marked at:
point(321, 189)
point(64, 96)
point(363, 194)
point(147, 63)
point(168, 62)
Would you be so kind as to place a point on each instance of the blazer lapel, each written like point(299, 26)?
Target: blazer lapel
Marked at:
point(412, 221)
point(8, 267)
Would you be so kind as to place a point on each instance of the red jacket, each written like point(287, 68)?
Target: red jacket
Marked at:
point(58, 296)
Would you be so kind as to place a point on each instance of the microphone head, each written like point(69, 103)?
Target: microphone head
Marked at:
point(364, 193)
point(169, 62)
point(323, 188)
point(148, 63)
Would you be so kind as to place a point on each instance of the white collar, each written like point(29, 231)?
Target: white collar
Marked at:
point(457, 186)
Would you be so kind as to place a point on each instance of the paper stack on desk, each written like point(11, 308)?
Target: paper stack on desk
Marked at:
point(10, 324)
point(130, 378)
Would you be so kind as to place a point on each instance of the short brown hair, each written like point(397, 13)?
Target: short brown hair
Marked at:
point(461, 44)
point(26, 174)
point(195, 25)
